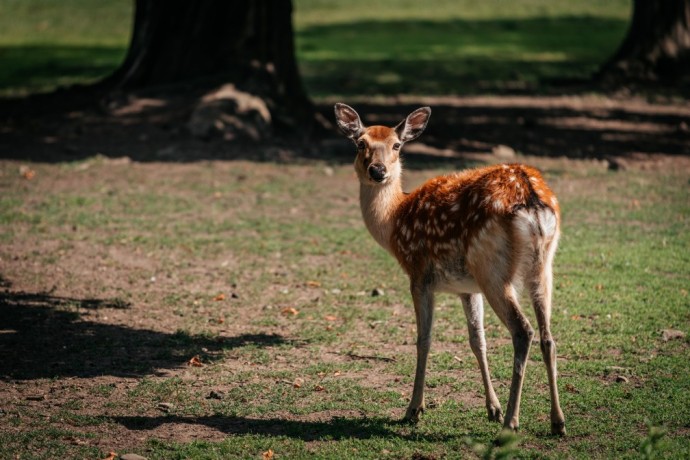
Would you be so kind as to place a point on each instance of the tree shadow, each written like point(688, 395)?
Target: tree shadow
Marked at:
point(387, 58)
point(46, 336)
point(334, 429)
point(550, 129)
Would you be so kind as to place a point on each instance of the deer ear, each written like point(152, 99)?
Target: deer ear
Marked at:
point(348, 121)
point(411, 127)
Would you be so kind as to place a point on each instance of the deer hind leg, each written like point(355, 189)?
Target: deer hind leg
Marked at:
point(493, 263)
point(540, 288)
point(423, 298)
point(474, 311)
point(505, 304)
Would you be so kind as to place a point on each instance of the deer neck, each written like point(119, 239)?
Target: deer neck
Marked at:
point(379, 203)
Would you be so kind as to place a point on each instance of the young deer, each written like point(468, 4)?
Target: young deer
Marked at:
point(489, 230)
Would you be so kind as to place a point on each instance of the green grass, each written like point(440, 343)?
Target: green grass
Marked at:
point(621, 277)
point(344, 49)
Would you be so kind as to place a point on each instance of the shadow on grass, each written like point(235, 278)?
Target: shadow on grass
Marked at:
point(31, 68)
point(365, 58)
point(334, 429)
point(45, 336)
point(453, 56)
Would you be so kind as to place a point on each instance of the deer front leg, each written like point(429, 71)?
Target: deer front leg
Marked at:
point(474, 312)
point(423, 299)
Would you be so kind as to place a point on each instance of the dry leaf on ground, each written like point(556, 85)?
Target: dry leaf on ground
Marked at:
point(289, 311)
point(219, 297)
point(195, 361)
point(268, 455)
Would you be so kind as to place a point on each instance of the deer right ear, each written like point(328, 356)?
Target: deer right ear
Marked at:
point(348, 121)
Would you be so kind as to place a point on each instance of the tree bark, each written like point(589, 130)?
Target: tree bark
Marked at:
point(657, 45)
point(245, 42)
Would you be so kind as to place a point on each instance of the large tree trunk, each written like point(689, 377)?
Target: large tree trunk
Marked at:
point(657, 46)
point(248, 43)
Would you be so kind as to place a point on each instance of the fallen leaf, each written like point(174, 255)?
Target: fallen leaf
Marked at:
point(26, 172)
point(319, 388)
point(289, 311)
point(570, 388)
point(268, 455)
point(313, 284)
point(221, 320)
point(219, 297)
point(671, 334)
point(111, 456)
point(195, 361)
point(330, 318)
point(298, 382)
point(75, 441)
point(329, 327)
point(165, 406)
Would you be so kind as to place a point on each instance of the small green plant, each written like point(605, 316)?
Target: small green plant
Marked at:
point(503, 448)
point(651, 445)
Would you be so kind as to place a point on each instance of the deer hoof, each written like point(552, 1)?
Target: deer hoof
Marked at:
point(413, 413)
point(495, 414)
point(558, 428)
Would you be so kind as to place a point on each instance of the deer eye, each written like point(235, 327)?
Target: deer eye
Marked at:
point(396, 146)
point(361, 145)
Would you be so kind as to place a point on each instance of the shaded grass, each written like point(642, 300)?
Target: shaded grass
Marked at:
point(453, 56)
point(357, 48)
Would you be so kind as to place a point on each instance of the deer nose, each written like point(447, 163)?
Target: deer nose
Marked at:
point(377, 172)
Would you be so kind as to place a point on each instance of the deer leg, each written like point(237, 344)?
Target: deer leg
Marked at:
point(540, 292)
point(423, 299)
point(474, 311)
point(506, 306)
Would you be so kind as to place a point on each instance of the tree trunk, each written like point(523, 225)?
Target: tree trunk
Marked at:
point(245, 42)
point(657, 46)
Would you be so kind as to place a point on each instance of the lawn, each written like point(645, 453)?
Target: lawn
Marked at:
point(437, 47)
point(117, 274)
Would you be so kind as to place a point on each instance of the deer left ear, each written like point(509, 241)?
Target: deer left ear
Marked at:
point(411, 127)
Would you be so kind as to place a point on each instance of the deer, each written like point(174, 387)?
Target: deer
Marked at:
point(491, 230)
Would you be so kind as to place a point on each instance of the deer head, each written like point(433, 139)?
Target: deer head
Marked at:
point(378, 147)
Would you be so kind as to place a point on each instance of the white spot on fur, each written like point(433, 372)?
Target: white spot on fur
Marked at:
point(455, 207)
point(511, 178)
point(498, 205)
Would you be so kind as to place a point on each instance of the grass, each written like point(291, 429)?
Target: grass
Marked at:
point(332, 379)
point(439, 47)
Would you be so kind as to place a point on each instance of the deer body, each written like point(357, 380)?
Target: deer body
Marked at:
point(486, 231)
